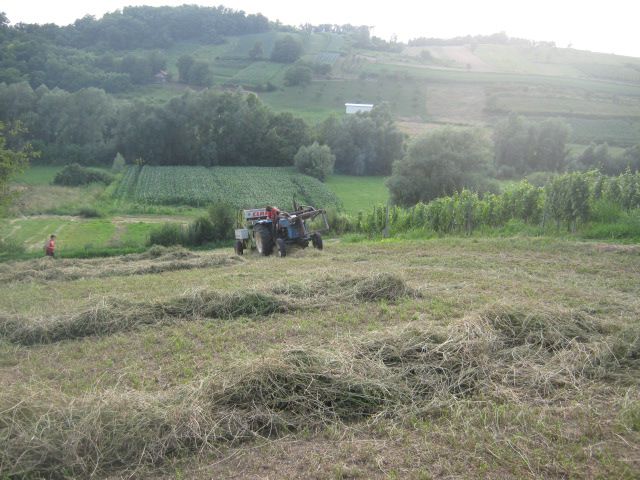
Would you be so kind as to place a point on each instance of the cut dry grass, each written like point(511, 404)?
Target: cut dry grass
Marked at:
point(113, 316)
point(155, 260)
point(389, 374)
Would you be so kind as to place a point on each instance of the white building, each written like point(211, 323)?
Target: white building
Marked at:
point(358, 107)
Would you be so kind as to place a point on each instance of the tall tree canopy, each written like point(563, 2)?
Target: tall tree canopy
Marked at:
point(440, 163)
point(365, 143)
point(523, 146)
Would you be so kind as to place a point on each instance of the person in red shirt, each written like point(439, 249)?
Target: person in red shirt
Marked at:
point(50, 246)
point(272, 212)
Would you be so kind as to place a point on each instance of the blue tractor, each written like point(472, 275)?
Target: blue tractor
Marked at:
point(266, 229)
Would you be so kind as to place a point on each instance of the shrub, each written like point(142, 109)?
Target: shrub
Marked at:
point(201, 231)
point(222, 215)
point(119, 163)
point(74, 175)
point(315, 160)
point(168, 234)
point(89, 212)
point(286, 50)
point(297, 75)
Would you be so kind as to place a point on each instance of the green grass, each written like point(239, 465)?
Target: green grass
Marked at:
point(358, 194)
point(37, 175)
point(78, 237)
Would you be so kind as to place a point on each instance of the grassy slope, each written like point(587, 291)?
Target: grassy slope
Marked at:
point(579, 428)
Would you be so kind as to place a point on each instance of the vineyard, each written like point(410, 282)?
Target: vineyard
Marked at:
point(242, 187)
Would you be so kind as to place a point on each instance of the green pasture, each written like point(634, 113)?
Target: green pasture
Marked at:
point(358, 194)
point(37, 175)
point(75, 234)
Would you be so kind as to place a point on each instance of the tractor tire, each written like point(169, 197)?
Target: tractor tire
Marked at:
point(316, 240)
point(282, 247)
point(263, 239)
point(239, 247)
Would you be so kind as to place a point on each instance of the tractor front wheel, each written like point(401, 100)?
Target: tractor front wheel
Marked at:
point(263, 238)
point(282, 247)
point(316, 240)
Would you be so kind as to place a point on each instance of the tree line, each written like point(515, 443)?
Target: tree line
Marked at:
point(198, 128)
point(448, 160)
point(90, 52)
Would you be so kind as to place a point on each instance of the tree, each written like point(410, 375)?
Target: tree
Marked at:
point(315, 160)
point(440, 163)
point(286, 50)
point(119, 163)
point(200, 74)
point(12, 162)
point(184, 65)
point(365, 143)
point(523, 146)
point(257, 51)
point(297, 75)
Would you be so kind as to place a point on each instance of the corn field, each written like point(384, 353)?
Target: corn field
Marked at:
point(242, 187)
point(567, 201)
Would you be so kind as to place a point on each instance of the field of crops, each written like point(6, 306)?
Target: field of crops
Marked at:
point(259, 73)
point(242, 187)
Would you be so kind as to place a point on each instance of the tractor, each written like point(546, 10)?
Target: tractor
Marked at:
point(264, 229)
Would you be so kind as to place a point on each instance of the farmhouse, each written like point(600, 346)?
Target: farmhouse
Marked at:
point(358, 107)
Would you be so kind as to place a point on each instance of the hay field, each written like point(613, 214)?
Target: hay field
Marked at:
point(459, 358)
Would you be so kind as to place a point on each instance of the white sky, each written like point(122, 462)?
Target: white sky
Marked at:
point(609, 27)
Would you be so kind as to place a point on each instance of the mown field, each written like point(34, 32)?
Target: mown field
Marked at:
point(471, 358)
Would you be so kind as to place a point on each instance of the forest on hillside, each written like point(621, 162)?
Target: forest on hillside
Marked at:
point(81, 94)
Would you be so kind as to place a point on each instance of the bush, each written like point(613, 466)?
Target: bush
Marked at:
point(297, 75)
point(218, 226)
point(222, 215)
point(119, 163)
point(75, 175)
point(199, 232)
point(315, 160)
point(286, 50)
point(89, 212)
point(168, 234)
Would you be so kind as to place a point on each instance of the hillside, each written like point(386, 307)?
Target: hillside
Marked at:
point(135, 55)
point(597, 94)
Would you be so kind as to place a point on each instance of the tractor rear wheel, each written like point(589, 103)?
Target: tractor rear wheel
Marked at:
point(316, 240)
point(239, 247)
point(263, 238)
point(282, 247)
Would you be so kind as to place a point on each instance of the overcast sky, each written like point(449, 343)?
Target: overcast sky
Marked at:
point(609, 27)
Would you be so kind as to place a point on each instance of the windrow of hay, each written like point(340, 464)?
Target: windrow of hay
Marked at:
point(113, 316)
point(387, 374)
point(155, 260)
point(372, 288)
